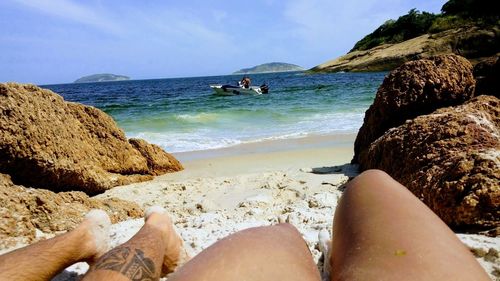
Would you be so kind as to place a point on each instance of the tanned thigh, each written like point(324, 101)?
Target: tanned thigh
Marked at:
point(255, 254)
point(383, 232)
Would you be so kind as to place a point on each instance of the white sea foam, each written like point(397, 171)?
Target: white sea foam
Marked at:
point(199, 117)
point(213, 137)
point(181, 142)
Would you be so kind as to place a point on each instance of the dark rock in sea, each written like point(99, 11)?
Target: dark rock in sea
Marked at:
point(415, 88)
point(46, 142)
point(24, 210)
point(450, 159)
point(487, 74)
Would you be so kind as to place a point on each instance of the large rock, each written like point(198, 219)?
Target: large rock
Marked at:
point(49, 143)
point(470, 42)
point(450, 159)
point(415, 88)
point(487, 74)
point(23, 211)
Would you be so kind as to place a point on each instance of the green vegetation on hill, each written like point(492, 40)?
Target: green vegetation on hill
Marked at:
point(405, 27)
point(472, 8)
point(455, 14)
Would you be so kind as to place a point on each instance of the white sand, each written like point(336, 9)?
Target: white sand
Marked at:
point(224, 191)
point(217, 196)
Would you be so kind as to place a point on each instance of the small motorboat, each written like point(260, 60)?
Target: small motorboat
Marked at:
point(230, 90)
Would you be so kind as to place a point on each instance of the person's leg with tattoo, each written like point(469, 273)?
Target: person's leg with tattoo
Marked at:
point(153, 252)
point(45, 259)
point(380, 231)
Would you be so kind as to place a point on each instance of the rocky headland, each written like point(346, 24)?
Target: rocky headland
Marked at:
point(428, 131)
point(474, 43)
point(269, 68)
point(104, 77)
point(467, 28)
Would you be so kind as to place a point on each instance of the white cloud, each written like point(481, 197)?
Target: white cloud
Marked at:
point(180, 30)
point(155, 24)
point(72, 11)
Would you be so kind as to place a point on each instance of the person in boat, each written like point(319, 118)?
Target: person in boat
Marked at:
point(381, 231)
point(245, 82)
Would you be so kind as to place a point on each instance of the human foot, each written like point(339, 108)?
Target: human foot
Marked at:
point(95, 229)
point(175, 254)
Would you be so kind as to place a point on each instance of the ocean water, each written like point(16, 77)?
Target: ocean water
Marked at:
point(183, 114)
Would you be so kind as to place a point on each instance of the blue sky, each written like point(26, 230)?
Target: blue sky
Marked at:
point(58, 41)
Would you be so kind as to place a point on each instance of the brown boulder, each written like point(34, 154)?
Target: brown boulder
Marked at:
point(159, 162)
point(487, 74)
point(450, 159)
point(47, 142)
point(415, 88)
point(23, 210)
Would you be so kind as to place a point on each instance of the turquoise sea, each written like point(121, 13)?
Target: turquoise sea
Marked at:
point(182, 114)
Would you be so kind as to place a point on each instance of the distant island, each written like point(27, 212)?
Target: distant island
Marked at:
point(470, 28)
point(105, 77)
point(270, 67)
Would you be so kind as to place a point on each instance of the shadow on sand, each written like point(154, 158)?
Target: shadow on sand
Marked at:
point(350, 170)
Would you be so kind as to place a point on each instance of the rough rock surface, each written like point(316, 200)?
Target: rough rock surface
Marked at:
point(49, 143)
point(487, 74)
point(450, 159)
point(157, 160)
point(24, 210)
point(415, 88)
point(471, 42)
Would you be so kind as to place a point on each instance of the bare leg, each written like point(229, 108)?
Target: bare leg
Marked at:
point(261, 253)
point(153, 252)
point(383, 232)
point(45, 259)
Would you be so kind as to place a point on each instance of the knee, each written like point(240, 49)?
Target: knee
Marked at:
point(282, 229)
point(283, 232)
point(368, 180)
point(373, 173)
point(286, 229)
point(285, 236)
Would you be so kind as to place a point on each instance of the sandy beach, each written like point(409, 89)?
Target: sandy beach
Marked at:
point(108, 110)
point(222, 191)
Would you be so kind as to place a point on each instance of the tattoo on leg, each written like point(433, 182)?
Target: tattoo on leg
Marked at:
point(140, 267)
point(113, 260)
point(135, 266)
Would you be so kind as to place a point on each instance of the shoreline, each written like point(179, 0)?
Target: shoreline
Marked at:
point(269, 146)
point(285, 154)
point(273, 145)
